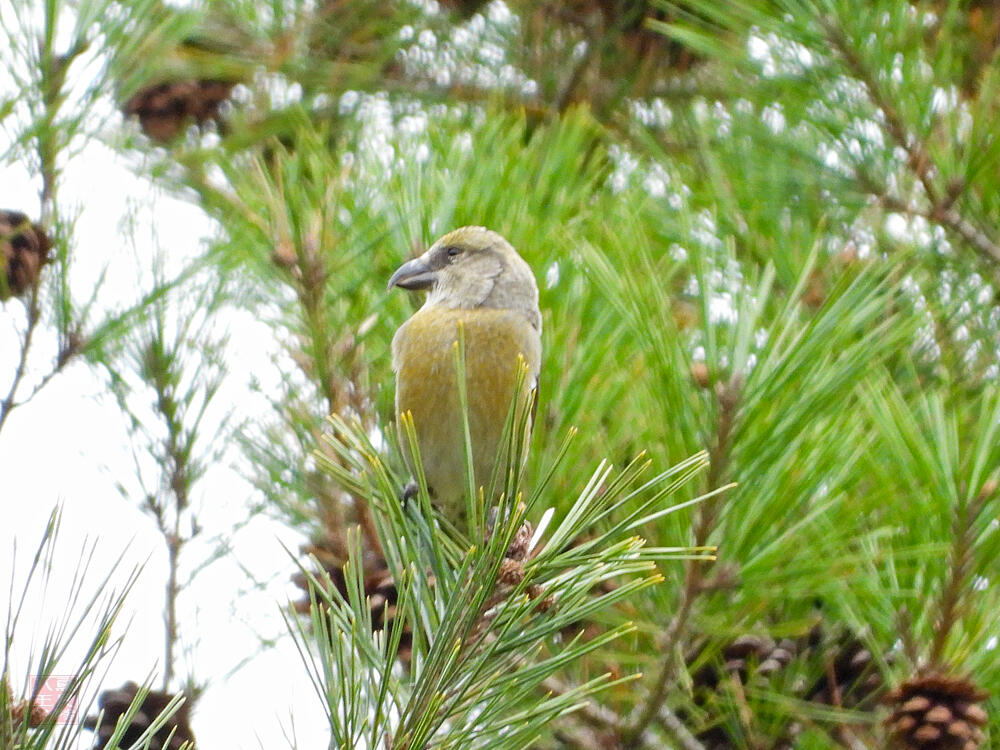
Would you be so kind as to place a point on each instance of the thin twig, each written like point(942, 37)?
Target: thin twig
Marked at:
point(170, 614)
point(970, 233)
point(178, 486)
point(846, 736)
point(648, 709)
point(917, 157)
point(34, 315)
point(599, 718)
point(947, 217)
point(676, 727)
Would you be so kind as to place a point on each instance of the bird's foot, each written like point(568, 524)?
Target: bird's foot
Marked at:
point(410, 491)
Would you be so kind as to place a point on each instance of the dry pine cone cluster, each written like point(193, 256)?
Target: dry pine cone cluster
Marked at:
point(849, 675)
point(855, 681)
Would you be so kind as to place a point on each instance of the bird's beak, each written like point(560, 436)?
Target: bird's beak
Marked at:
point(414, 274)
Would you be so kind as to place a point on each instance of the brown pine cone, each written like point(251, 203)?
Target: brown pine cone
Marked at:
point(849, 677)
point(380, 589)
point(24, 249)
point(115, 703)
point(164, 109)
point(936, 712)
point(747, 655)
point(36, 714)
point(464, 8)
point(852, 680)
point(746, 658)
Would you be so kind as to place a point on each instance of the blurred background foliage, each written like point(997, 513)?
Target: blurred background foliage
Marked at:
point(767, 230)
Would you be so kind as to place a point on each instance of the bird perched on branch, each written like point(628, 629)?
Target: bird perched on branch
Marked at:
point(475, 280)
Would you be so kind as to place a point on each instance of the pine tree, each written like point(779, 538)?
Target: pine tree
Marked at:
point(764, 234)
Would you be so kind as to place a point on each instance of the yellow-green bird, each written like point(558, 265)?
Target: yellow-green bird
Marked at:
point(476, 279)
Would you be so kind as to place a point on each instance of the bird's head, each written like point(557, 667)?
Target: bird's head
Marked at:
point(472, 267)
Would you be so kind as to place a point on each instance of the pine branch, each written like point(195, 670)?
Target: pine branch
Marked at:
point(326, 366)
point(919, 161)
point(478, 629)
point(165, 378)
point(46, 144)
point(728, 397)
point(604, 719)
point(41, 72)
point(954, 592)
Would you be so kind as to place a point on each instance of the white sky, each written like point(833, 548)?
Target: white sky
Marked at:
point(69, 447)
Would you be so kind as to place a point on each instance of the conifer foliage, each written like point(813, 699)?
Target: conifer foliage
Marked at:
point(759, 504)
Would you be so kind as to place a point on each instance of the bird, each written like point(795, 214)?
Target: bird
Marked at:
point(476, 280)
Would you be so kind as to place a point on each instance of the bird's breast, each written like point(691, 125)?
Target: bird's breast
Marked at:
point(424, 358)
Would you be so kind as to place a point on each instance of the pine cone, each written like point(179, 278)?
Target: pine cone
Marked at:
point(35, 714)
point(464, 8)
point(856, 680)
point(165, 108)
point(936, 712)
point(849, 678)
point(24, 707)
point(24, 249)
point(115, 703)
point(746, 655)
point(628, 19)
point(746, 658)
point(379, 587)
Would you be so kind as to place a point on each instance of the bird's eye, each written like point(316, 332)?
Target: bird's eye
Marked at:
point(454, 252)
